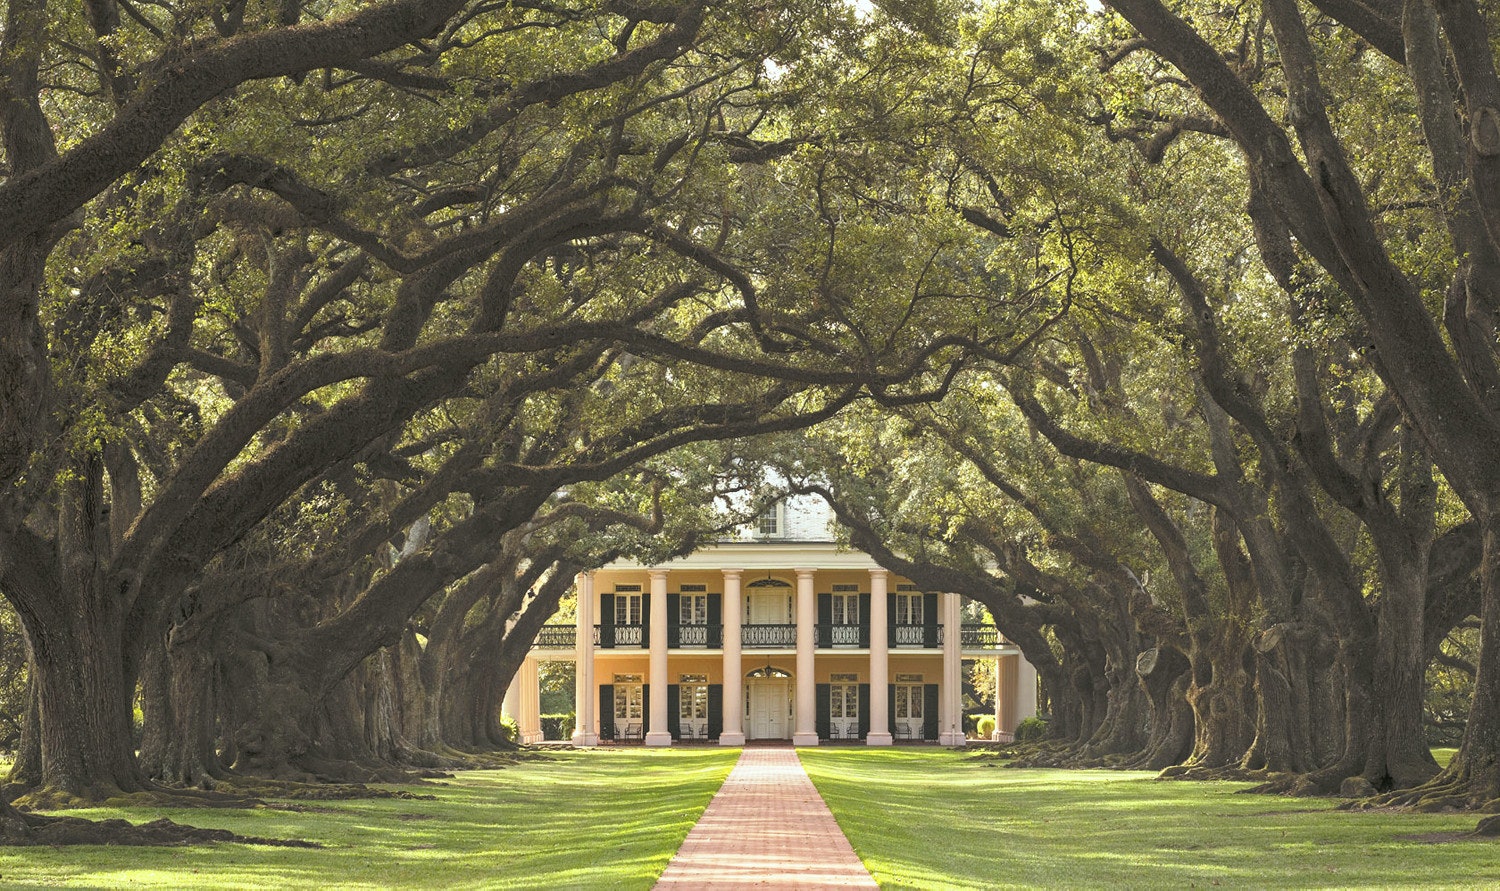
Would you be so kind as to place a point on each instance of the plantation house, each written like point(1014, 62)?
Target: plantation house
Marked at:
point(777, 634)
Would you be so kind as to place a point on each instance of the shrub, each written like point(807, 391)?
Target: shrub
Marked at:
point(509, 727)
point(557, 726)
point(984, 728)
point(1031, 729)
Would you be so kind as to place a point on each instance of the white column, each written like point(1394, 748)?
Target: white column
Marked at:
point(658, 735)
point(1025, 689)
point(880, 669)
point(1005, 694)
point(806, 733)
point(950, 692)
point(999, 696)
point(734, 670)
point(531, 703)
point(510, 707)
point(585, 694)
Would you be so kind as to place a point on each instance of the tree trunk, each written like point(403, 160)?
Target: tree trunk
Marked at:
point(85, 709)
point(27, 769)
point(1164, 675)
point(1472, 778)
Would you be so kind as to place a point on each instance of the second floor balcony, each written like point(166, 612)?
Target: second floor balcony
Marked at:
point(761, 636)
point(768, 636)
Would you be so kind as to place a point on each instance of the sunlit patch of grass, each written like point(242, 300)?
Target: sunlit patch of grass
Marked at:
point(930, 818)
point(1444, 755)
point(603, 819)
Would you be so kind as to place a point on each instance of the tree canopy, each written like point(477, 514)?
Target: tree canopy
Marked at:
point(338, 337)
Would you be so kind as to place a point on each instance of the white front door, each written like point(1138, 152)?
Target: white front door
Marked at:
point(769, 705)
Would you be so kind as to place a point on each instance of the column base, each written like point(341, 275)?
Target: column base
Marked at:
point(731, 739)
point(531, 739)
point(580, 738)
point(804, 739)
point(658, 738)
point(951, 739)
point(879, 739)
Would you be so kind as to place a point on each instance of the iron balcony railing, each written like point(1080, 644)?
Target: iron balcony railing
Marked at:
point(628, 635)
point(979, 637)
point(695, 636)
point(768, 635)
point(971, 636)
point(558, 637)
point(831, 635)
point(910, 636)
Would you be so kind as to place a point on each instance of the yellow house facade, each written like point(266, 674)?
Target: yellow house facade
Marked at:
point(778, 635)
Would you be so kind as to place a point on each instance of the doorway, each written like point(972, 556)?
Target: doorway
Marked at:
point(768, 704)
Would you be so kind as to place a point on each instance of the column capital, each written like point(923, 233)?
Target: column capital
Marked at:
point(880, 572)
point(804, 573)
point(657, 574)
point(732, 573)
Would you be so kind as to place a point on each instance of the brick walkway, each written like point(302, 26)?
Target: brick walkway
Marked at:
point(766, 828)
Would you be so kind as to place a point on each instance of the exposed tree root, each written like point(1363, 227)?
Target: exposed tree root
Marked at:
point(158, 796)
point(158, 833)
point(1226, 773)
point(1444, 793)
point(21, 829)
point(299, 791)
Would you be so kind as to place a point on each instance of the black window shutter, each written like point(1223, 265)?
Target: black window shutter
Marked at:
point(890, 622)
point(715, 710)
point(864, 623)
point(645, 621)
point(607, 622)
point(930, 711)
point(674, 710)
point(929, 619)
point(890, 707)
point(825, 620)
point(824, 724)
point(645, 709)
point(674, 620)
point(606, 710)
point(716, 622)
point(864, 708)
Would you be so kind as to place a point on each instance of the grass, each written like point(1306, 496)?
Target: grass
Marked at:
point(918, 817)
point(607, 819)
point(925, 818)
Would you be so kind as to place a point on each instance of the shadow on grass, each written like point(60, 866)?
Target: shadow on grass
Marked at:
point(580, 820)
point(938, 819)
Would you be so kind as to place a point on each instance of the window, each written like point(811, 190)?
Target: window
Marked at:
point(693, 609)
point(908, 701)
point(769, 522)
point(846, 609)
point(627, 609)
point(628, 702)
point(843, 700)
point(908, 609)
point(692, 702)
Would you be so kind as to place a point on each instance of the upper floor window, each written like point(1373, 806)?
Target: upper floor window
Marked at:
point(693, 609)
point(769, 521)
point(845, 609)
point(627, 609)
point(908, 609)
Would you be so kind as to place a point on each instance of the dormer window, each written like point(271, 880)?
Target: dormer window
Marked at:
point(769, 522)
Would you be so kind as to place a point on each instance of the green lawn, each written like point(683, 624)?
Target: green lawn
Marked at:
point(930, 818)
point(919, 817)
point(607, 819)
